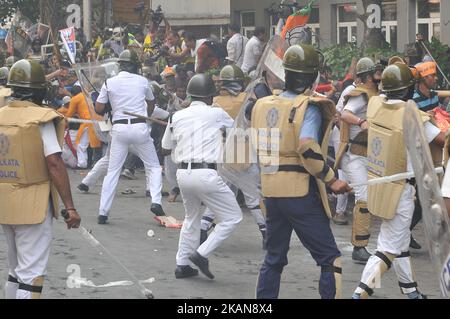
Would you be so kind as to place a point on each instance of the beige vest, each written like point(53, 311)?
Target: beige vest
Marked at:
point(25, 185)
point(359, 147)
point(230, 104)
point(278, 122)
point(4, 94)
point(386, 154)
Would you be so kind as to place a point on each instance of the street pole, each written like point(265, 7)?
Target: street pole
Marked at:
point(87, 19)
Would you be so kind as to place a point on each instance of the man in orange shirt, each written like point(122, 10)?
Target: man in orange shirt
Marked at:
point(86, 133)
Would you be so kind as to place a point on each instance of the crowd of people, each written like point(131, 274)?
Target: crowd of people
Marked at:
point(172, 79)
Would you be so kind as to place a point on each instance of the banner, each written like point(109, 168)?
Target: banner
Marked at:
point(293, 31)
point(68, 38)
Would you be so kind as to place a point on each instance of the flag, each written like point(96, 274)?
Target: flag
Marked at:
point(293, 31)
point(68, 38)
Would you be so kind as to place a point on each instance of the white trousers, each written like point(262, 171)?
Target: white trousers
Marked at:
point(170, 169)
point(355, 169)
point(67, 156)
point(394, 239)
point(122, 137)
point(99, 170)
point(82, 147)
point(28, 253)
point(205, 186)
point(342, 199)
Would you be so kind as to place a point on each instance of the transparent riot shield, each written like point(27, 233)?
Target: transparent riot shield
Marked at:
point(18, 38)
point(434, 211)
point(92, 76)
point(240, 166)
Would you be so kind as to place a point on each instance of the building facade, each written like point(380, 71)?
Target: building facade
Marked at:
point(335, 21)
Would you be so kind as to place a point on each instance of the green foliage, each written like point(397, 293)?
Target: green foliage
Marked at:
point(29, 8)
point(339, 57)
point(441, 52)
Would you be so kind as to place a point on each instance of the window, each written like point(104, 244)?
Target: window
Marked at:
point(389, 22)
point(314, 24)
point(346, 23)
point(248, 23)
point(428, 18)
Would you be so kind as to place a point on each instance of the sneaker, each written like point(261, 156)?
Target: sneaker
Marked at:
point(127, 174)
point(83, 188)
point(185, 272)
point(414, 244)
point(202, 263)
point(157, 210)
point(102, 220)
point(203, 236)
point(340, 219)
point(360, 254)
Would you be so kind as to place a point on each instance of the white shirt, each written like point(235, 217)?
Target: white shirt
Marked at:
point(236, 48)
point(195, 135)
point(126, 92)
point(49, 139)
point(358, 106)
point(340, 103)
point(253, 52)
point(446, 182)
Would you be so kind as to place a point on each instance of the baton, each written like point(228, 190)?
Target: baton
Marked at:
point(95, 243)
point(151, 119)
point(393, 178)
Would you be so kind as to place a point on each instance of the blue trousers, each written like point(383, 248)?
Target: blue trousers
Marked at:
point(305, 216)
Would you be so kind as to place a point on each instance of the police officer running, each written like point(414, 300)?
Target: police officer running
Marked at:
point(129, 92)
point(292, 130)
point(32, 174)
point(194, 135)
point(393, 202)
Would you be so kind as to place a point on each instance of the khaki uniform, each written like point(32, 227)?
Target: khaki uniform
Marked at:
point(393, 202)
point(29, 199)
point(229, 103)
point(354, 163)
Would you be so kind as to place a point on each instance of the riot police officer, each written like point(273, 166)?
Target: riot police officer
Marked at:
point(354, 142)
point(32, 174)
point(292, 130)
point(394, 201)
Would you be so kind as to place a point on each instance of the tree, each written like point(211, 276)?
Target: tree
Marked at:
point(29, 8)
point(371, 18)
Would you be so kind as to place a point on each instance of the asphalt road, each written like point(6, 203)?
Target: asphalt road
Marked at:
point(152, 259)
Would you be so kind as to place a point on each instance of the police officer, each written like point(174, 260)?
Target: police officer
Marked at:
point(32, 174)
point(231, 98)
point(354, 162)
point(129, 92)
point(9, 62)
point(292, 130)
point(393, 202)
point(194, 135)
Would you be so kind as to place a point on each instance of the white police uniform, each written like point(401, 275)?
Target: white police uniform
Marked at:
point(128, 93)
point(194, 135)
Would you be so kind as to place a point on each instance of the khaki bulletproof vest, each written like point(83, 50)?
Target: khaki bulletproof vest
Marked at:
point(230, 104)
point(4, 94)
point(386, 154)
point(277, 122)
point(25, 185)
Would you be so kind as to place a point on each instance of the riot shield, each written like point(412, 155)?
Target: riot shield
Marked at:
point(240, 166)
point(18, 38)
point(434, 211)
point(92, 76)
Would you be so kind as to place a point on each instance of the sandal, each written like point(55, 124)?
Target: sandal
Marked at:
point(128, 191)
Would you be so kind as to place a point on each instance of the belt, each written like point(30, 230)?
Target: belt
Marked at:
point(199, 166)
point(130, 121)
